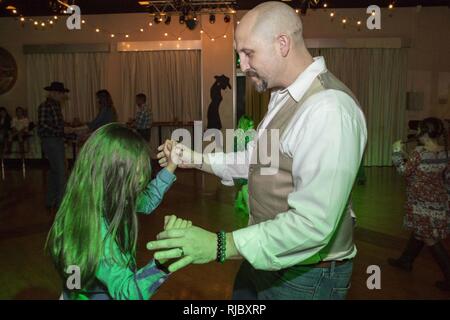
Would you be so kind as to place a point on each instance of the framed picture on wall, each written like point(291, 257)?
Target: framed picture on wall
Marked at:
point(8, 71)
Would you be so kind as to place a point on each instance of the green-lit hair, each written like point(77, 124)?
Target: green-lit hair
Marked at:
point(112, 168)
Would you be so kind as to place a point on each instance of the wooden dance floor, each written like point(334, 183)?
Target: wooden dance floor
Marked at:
point(27, 273)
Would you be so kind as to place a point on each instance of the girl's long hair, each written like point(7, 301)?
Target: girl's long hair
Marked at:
point(113, 167)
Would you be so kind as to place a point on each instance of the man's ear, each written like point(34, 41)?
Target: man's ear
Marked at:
point(284, 43)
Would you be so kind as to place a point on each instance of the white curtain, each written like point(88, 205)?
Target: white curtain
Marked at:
point(377, 77)
point(170, 79)
point(82, 73)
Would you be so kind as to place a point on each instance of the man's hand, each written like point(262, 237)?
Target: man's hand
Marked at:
point(192, 245)
point(179, 154)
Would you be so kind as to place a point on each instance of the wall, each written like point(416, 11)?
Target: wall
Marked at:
point(217, 56)
point(425, 29)
point(427, 32)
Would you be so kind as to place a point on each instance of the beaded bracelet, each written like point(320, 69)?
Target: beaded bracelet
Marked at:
point(221, 246)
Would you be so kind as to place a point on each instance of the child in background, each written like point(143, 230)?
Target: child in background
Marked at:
point(96, 225)
point(19, 128)
point(427, 173)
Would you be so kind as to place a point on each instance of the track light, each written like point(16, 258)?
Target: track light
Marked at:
point(182, 19)
point(227, 18)
point(212, 18)
point(168, 20)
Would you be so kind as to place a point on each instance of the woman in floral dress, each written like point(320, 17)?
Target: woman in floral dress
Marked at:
point(427, 173)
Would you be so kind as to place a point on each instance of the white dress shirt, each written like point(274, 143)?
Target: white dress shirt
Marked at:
point(326, 140)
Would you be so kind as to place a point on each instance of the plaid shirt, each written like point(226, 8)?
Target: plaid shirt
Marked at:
point(143, 117)
point(50, 119)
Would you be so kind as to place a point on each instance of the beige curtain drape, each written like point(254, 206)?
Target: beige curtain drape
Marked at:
point(378, 79)
point(170, 79)
point(82, 73)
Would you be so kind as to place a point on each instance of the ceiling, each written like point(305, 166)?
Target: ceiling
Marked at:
point(43, 8)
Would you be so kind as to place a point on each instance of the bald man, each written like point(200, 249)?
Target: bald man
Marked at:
point(299, 242)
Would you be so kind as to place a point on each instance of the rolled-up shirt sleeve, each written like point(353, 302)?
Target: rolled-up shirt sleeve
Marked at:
point(326, 157)
point(228, 166)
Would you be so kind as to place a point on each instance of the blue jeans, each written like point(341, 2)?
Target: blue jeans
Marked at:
point(53, 148)
point(294, 283)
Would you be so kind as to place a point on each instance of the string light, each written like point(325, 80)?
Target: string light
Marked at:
point(325, 5)
point(332, 14)
point(150, 24)
point(391, 6)
point(111, 35)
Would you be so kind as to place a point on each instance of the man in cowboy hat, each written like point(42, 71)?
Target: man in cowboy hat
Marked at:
point(51, 131)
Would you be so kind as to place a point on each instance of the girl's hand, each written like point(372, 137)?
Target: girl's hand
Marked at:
point(179, 155)
point(167, 158)
point(173, 222)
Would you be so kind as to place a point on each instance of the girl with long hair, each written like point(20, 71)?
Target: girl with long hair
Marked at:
point(427, 173)
point(95, 230)
point(106, 114)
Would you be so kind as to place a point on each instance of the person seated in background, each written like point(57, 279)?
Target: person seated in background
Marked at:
point(5, 126)
point(19, 128)
point(106, 114)
point(143, 119)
